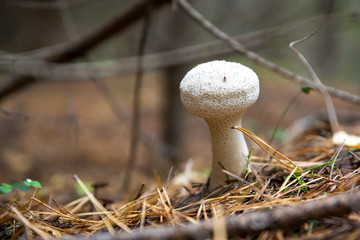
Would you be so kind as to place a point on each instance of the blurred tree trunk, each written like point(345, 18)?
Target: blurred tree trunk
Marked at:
point(173, 110)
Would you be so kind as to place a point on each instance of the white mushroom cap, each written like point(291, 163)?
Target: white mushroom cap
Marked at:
point(220, 92)
point(218, 89)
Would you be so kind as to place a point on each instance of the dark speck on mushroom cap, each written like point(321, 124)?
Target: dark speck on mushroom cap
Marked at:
point(219, 88)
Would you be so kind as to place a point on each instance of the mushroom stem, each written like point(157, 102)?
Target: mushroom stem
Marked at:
point(229, 150)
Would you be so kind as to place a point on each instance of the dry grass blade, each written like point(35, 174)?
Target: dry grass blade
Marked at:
point(262, 222)
point(203, 205)
point(238, 178)
point(299, 187)
point(142, 222)
point(30, 225)
point(261, 142)
point(283, 186)
point(355, 156)
point(100, 208)
point(335, 159)
point(58, 213)
point(260, 161)
point(79, 204)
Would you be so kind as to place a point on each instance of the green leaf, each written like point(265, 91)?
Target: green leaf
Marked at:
point(36, 184)
point(249, 155)
point(16, 185)
point(5, 190)
point(24, 188)
point(7, 185)
point(27, 182)
point(306, 89)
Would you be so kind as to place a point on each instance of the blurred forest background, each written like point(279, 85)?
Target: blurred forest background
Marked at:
point(73, 114)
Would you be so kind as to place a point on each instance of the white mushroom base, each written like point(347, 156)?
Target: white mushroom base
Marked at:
point(229, 151)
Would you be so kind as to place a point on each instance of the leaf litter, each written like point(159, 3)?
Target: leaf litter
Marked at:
point(308, 173)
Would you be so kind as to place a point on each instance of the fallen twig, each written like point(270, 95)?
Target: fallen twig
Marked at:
point(253, 222)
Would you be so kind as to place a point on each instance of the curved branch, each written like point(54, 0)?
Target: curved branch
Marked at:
point(238, 47)
point(127, 16)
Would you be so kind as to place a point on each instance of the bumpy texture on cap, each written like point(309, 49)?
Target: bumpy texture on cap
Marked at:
point(219, 88)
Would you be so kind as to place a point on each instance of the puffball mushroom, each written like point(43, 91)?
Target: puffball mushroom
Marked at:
point(220, 92)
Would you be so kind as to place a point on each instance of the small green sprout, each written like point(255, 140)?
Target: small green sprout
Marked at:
point(306, 89)
point(249, 159)
point(316, 167)
point(32, 183)
point(301, 182)
point(7, 188)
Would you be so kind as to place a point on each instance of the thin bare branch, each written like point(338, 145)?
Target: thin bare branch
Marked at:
point(238, 47)
point(334, 123)
point(42, 5)
point(127, 16)
point(156, 146)
point(20, 64)
point(121, 21)
point(137, 99)
point(25, 64)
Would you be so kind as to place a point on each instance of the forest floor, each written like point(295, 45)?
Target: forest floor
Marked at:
point(71, 131)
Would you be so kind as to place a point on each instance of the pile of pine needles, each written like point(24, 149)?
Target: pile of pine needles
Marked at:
point(313, 196)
